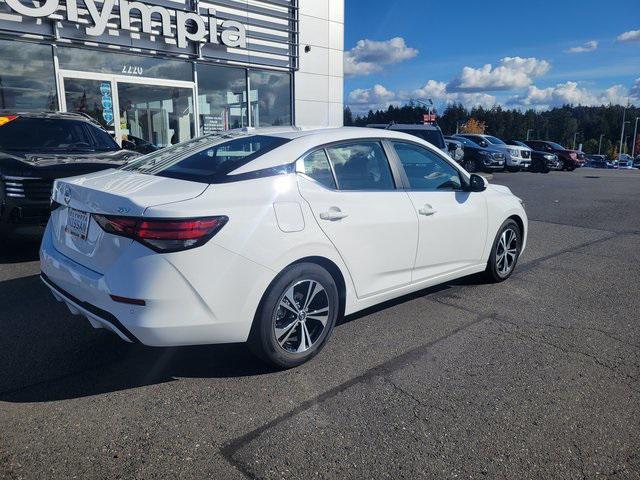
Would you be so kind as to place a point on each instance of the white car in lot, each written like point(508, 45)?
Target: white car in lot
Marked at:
point(268, 236)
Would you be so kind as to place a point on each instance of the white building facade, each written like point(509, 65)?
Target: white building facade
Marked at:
point(164, 71)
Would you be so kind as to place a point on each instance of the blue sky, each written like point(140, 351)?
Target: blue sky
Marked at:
point(541, 53)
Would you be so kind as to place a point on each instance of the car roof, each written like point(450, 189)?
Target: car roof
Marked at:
point(404, 126)
point(304, 140)
point(49, 115)
point(331, 134)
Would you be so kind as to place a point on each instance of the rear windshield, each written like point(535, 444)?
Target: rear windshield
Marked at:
point(434, 137)
point(54, 135)
point(205, 159)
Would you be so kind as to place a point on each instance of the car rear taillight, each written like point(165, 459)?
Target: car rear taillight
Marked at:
point(164, 235)
point(4, 119)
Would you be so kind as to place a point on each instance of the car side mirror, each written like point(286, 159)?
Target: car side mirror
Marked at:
point(476, 183)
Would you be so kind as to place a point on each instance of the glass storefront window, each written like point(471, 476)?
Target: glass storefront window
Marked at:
point(121, 64)
point(222, 98)
point(92, 97)
point(270, 98)
point(27, 81)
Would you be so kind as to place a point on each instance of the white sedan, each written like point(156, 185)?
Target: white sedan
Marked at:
point(268, 236)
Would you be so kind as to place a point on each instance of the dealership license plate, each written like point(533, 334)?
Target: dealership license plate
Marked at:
point(77, 223)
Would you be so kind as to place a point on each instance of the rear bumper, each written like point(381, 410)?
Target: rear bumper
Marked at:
point(97, 317)
point(191, 298)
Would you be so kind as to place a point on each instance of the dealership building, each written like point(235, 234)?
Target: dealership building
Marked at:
point(164, 71)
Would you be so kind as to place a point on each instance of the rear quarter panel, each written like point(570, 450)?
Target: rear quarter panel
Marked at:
point(257, 230)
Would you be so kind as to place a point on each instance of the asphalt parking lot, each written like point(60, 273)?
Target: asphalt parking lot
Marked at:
point(538, 377)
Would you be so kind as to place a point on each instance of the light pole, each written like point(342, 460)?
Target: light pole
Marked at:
point(600, 143)
point(575, 136)
point(624, 122)
point(529, 130)
point(635, 139)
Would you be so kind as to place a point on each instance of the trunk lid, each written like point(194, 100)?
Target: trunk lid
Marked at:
point(112, 192)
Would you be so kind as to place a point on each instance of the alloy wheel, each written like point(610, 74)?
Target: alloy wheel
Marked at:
point(507, 251)
point(301, 316)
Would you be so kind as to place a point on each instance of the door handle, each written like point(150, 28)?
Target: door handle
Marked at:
point(333, 214)
point(427, 210)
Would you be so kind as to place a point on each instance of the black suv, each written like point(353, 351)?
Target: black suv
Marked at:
point(36, 149)
point(541, 162)
point(478, 158)
point(430, 133)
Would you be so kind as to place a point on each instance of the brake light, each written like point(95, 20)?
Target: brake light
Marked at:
point(4, 119)
point(164, 235)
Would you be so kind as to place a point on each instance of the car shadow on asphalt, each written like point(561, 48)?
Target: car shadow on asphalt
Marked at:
point(47, 354)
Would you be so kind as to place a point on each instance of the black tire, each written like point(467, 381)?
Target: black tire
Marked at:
point(513, 169)
point(494, 273)
point(470, 165)
point(263, 342)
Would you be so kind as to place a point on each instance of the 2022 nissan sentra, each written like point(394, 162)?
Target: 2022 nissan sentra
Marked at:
point(268, 236)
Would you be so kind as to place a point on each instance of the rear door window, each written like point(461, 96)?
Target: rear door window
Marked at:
point(361, 166)
point(316, 166)
point(206, 159)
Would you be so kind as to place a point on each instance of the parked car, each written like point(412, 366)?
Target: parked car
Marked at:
point(542, 162)
point(597, 161)
point(625, 161)
point(268, 236)
point(430, 133)
point(636, 162)
point(569, 159)
point(455, 149)
point(478, 158)
point(517, 157)
point(36, 149)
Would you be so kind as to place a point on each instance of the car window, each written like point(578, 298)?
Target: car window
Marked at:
point(102, 141)
point(361, 166)
point(316, 166)
point(434, 137)
point(50, 134)
point(206, 159)
point(466, 141)
point(425, 169)
point(494, 140)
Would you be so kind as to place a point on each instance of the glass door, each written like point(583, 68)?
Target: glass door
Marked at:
point(149, 113)
point(159, 115)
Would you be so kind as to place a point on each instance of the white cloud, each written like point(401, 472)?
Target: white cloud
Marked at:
point(589, 46)
point(630, 36)
point(370, 56)
point(635, 90)
point(437, 91)
point(374, 98)
point(513, 72)
point(570, 93)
